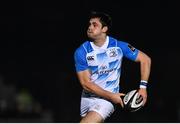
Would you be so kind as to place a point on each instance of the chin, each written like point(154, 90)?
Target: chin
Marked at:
point(90, 37)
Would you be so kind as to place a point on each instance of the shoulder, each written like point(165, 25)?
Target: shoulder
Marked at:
point(118, 43)
point(82, 48)
point(123, 45)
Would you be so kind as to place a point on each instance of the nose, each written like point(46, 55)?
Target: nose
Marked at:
point(90, 27)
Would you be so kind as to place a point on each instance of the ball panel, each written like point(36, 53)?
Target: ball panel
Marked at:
point(128, 96)
point(132, 101)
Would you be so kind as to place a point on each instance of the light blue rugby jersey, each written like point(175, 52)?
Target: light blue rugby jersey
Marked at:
point(104, 62)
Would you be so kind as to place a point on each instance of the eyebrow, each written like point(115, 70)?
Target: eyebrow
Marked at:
point(93, 23)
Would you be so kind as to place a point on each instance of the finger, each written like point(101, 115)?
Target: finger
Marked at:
point(138, 95)
point(144, 100)
point(122, 94)
point(122, 105)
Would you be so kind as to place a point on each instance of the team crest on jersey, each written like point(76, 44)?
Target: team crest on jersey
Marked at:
point(113, 53)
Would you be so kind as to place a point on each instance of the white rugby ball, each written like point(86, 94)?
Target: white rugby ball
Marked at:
point(133, 101)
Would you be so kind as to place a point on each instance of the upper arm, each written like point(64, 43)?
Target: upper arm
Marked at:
point(81, 66)
point(129, 51)
point(80, 59)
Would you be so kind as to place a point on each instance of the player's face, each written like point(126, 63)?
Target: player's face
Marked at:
point(95, 28)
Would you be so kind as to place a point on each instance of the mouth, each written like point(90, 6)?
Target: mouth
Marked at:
point(89, 32)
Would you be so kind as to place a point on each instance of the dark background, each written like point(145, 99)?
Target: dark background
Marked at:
point(38, 40)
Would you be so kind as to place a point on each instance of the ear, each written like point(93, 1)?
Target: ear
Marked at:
point(105, 29)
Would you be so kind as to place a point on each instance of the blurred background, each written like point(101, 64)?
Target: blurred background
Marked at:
point(38, 82)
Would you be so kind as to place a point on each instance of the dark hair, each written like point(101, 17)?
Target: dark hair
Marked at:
point(104, 18)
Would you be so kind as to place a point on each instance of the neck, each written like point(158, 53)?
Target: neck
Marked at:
point(100, 41)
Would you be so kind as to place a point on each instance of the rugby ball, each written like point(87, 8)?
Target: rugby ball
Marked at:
point(132, 101)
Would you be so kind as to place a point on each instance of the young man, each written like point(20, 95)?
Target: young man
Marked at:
point(98, 65)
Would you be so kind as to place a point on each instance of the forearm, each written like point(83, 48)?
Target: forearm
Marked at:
point(113, 97)
point(95, 89)
point(145, 72)
point(145, 69)
point(145, 65)
point(88, 85)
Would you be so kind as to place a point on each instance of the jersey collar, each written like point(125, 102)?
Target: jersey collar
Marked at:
point(104, 46)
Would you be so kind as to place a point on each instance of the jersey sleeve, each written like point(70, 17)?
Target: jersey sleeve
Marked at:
point(80, 59)
point(128, 50)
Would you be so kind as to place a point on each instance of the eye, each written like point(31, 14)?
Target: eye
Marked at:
point(95, 24)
